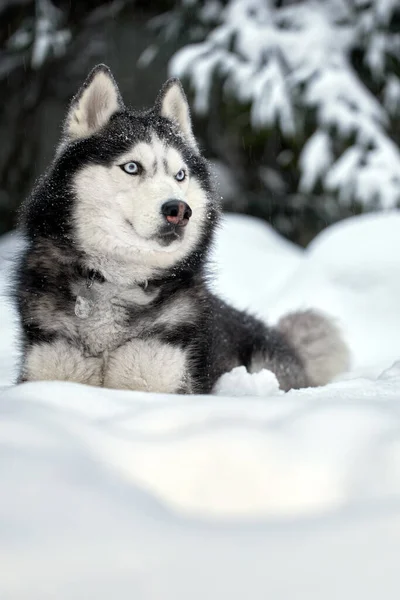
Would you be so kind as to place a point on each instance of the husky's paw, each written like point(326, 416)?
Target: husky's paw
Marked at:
point(147, 365)
point(60, 361)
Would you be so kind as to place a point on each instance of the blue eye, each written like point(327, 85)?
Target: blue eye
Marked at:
point(180, 176)
point(131, 167)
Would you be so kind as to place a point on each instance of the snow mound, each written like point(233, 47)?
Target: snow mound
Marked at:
point(241, 383)
point(352, 272)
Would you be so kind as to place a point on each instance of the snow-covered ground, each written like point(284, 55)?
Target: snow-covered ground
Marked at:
point(107, 494)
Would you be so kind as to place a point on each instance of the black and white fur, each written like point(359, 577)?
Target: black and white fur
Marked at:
point(95, 230)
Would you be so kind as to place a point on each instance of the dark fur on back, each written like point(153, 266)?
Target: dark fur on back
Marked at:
point(214, 336)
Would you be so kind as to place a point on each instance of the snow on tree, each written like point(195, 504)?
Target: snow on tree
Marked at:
point(324, 74)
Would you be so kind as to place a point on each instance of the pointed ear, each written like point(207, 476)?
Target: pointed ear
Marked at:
point(92, 107)
point(172, 104)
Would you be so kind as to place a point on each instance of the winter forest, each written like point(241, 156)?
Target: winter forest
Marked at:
point(249, 491)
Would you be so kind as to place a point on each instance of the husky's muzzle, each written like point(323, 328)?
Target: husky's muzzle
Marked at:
point(177, 214)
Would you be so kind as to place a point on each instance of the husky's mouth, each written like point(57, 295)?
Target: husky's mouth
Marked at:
point(166, 234)
point(169, 233)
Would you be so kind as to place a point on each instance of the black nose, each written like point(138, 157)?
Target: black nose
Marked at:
point(176, 212)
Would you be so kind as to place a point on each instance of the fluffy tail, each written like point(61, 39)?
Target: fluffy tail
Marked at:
point(318, 343)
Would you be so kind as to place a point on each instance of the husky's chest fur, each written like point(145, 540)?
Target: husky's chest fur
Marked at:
point(115, 314)
point(119, 314)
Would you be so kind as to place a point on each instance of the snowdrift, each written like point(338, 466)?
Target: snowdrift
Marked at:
point(250, 493)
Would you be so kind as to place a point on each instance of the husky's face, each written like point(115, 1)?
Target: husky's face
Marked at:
point(143, 198)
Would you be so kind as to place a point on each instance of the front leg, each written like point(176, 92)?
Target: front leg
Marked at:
point(61, 361)
point(148, 365)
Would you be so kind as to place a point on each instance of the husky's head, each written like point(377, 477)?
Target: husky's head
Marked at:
point(142, 195)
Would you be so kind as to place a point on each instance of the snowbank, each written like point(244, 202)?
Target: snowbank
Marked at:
point(107, 494)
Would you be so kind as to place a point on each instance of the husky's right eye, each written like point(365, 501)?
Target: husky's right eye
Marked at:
point(131, 167)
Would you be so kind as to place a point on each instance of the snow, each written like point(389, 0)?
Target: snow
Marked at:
point(42, 33)
point(239, 382)
point(315, 160)
point(109, 494)
point(292, 62)
point(392, 95)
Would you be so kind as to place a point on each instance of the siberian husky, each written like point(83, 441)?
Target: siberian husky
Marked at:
point(112, 287)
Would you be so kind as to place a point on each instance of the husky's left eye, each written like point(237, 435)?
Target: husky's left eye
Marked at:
point(131, 167)
point(180, 176)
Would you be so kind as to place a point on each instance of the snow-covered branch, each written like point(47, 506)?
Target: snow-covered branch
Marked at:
point(293, 64)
